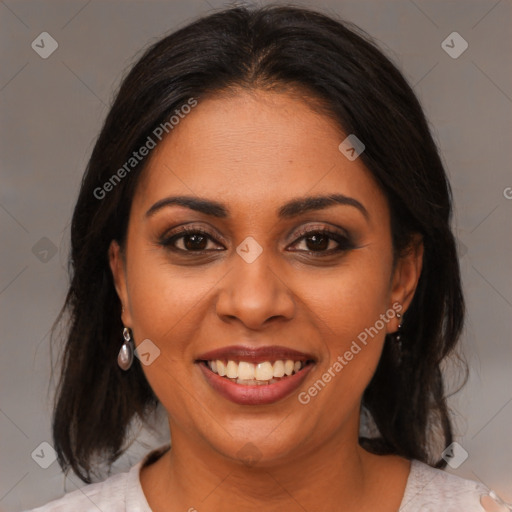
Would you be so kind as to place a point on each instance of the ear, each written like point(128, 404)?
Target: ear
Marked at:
point(117, 266)
point(406, 276)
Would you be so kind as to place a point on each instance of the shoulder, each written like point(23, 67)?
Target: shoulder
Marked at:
point(106, 495)
point(121, 492)
point(430, 490)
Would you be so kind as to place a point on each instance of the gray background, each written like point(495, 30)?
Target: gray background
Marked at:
point(52, 110)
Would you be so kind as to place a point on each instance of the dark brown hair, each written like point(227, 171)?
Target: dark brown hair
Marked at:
point(266, 47)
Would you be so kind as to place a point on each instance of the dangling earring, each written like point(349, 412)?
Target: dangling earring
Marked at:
point(398, 333)
point(397, 336)
point(125, 356)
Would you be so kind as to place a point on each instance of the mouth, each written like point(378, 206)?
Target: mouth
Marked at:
point(260, 374)
point(250, 376)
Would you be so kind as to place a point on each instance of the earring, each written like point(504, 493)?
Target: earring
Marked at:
point(125, 356)
point(397, 338)
point(397, 333)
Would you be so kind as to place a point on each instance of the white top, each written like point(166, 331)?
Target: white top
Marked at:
point(427, 490)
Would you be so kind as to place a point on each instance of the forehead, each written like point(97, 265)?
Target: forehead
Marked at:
point(254, 150)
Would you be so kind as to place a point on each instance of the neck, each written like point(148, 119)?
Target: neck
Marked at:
point(192, 476)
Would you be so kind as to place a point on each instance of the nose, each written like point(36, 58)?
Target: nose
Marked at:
point(254, 294)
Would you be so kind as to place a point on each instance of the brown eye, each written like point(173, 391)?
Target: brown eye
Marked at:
point(324, 241)
point(317, 242)
point(195, 242)
point(188, 240)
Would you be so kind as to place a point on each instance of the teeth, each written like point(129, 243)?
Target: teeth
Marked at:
point(232, 370)
point(263, 371)
point(245, 370)
point(279, 369)
point(256, 382)
point(288, 367)
point(221, 368)
point(251, 374)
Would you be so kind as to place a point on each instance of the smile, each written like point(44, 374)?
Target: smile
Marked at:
point(250, 374)
point(255, 376)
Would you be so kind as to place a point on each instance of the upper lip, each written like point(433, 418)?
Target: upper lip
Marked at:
point(255, 354)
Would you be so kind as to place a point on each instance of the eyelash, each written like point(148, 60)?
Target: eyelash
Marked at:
point(344, 243)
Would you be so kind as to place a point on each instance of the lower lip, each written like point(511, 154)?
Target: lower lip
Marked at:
point(255, 395)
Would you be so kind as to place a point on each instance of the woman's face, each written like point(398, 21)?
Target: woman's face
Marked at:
point(251, 286)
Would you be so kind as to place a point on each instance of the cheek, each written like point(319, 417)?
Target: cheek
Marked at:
point(347, 309)
point(165, 297)
point(349, 299)
point(165, 302)
point(350, 303)
point(347, 305)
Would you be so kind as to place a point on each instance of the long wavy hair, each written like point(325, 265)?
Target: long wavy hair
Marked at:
point(340, 68)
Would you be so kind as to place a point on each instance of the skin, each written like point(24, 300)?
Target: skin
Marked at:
point(254, 151)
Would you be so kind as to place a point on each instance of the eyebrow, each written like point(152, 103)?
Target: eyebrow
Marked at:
point(291, 209)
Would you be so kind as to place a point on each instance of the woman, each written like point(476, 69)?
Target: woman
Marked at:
point(266, 218)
